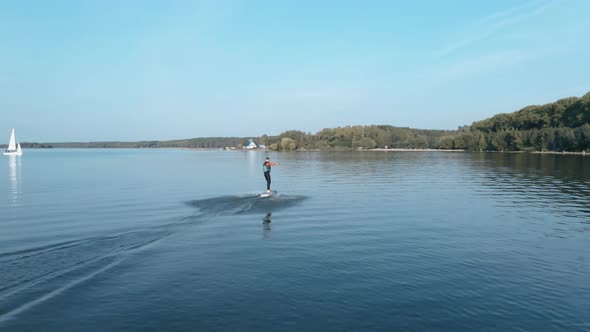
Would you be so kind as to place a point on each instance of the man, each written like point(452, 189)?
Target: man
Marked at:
point(266, 168)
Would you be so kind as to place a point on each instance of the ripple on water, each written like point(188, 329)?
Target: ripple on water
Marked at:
point(354, 241)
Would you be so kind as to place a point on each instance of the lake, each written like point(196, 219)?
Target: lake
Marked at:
point(176, 240)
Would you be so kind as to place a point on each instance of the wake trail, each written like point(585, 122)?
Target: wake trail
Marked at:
point(29, 277)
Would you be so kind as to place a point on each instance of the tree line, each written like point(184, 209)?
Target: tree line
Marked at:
point(195, 143)
point(560, 126)
point(356, 137)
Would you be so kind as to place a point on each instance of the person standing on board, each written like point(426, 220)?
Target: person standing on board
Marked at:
point(266, 168)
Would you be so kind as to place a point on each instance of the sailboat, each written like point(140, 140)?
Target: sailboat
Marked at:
point(14, 148)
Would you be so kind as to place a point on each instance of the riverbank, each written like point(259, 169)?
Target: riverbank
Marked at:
point(415, 150)
point(583, 153)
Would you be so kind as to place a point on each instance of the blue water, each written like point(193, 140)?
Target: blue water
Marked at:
point(160, 240)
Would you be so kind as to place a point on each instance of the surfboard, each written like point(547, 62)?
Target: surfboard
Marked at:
point(266, 194)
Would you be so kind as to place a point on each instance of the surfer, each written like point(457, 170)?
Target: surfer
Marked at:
point(266, 168)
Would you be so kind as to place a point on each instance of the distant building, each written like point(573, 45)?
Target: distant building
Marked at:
point(251, 145)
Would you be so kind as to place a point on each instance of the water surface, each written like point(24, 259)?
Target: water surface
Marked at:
point(155, 240)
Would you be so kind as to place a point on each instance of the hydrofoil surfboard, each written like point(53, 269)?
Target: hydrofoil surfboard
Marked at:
point(266, 194)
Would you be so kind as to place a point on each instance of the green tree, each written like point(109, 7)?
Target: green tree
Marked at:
point(287, 143)
point(564, 139)
point(548, 138)
point(421, 142)
point(481, 142)
point(264, 139)
point(582, 137)
point(446, 142)
point(364, 143)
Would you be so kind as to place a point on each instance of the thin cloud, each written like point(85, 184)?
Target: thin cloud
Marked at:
point(469, 69)
point(484, 64)
point(492, 24)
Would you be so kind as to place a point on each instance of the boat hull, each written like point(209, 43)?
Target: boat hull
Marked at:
point(13, 153)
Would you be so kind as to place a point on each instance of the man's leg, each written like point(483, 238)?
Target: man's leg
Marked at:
point(267, 177)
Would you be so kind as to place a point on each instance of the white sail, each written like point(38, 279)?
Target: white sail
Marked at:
point(14, 148)
point(12, 144)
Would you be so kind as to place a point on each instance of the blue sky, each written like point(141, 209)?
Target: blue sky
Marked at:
point(134, 70)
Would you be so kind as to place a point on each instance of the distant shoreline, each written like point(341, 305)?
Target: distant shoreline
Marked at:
point(414, 150)
point(390, 150)
point(583, 153)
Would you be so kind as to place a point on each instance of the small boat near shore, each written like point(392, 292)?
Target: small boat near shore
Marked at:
point(14, 148)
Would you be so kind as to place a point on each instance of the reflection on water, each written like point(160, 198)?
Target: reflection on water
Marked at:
point(266, 228)
point(246, 204)
point(550, 190)
point(557, 184)
point(14, 170)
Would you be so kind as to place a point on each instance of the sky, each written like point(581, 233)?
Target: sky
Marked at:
point(157, 70)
